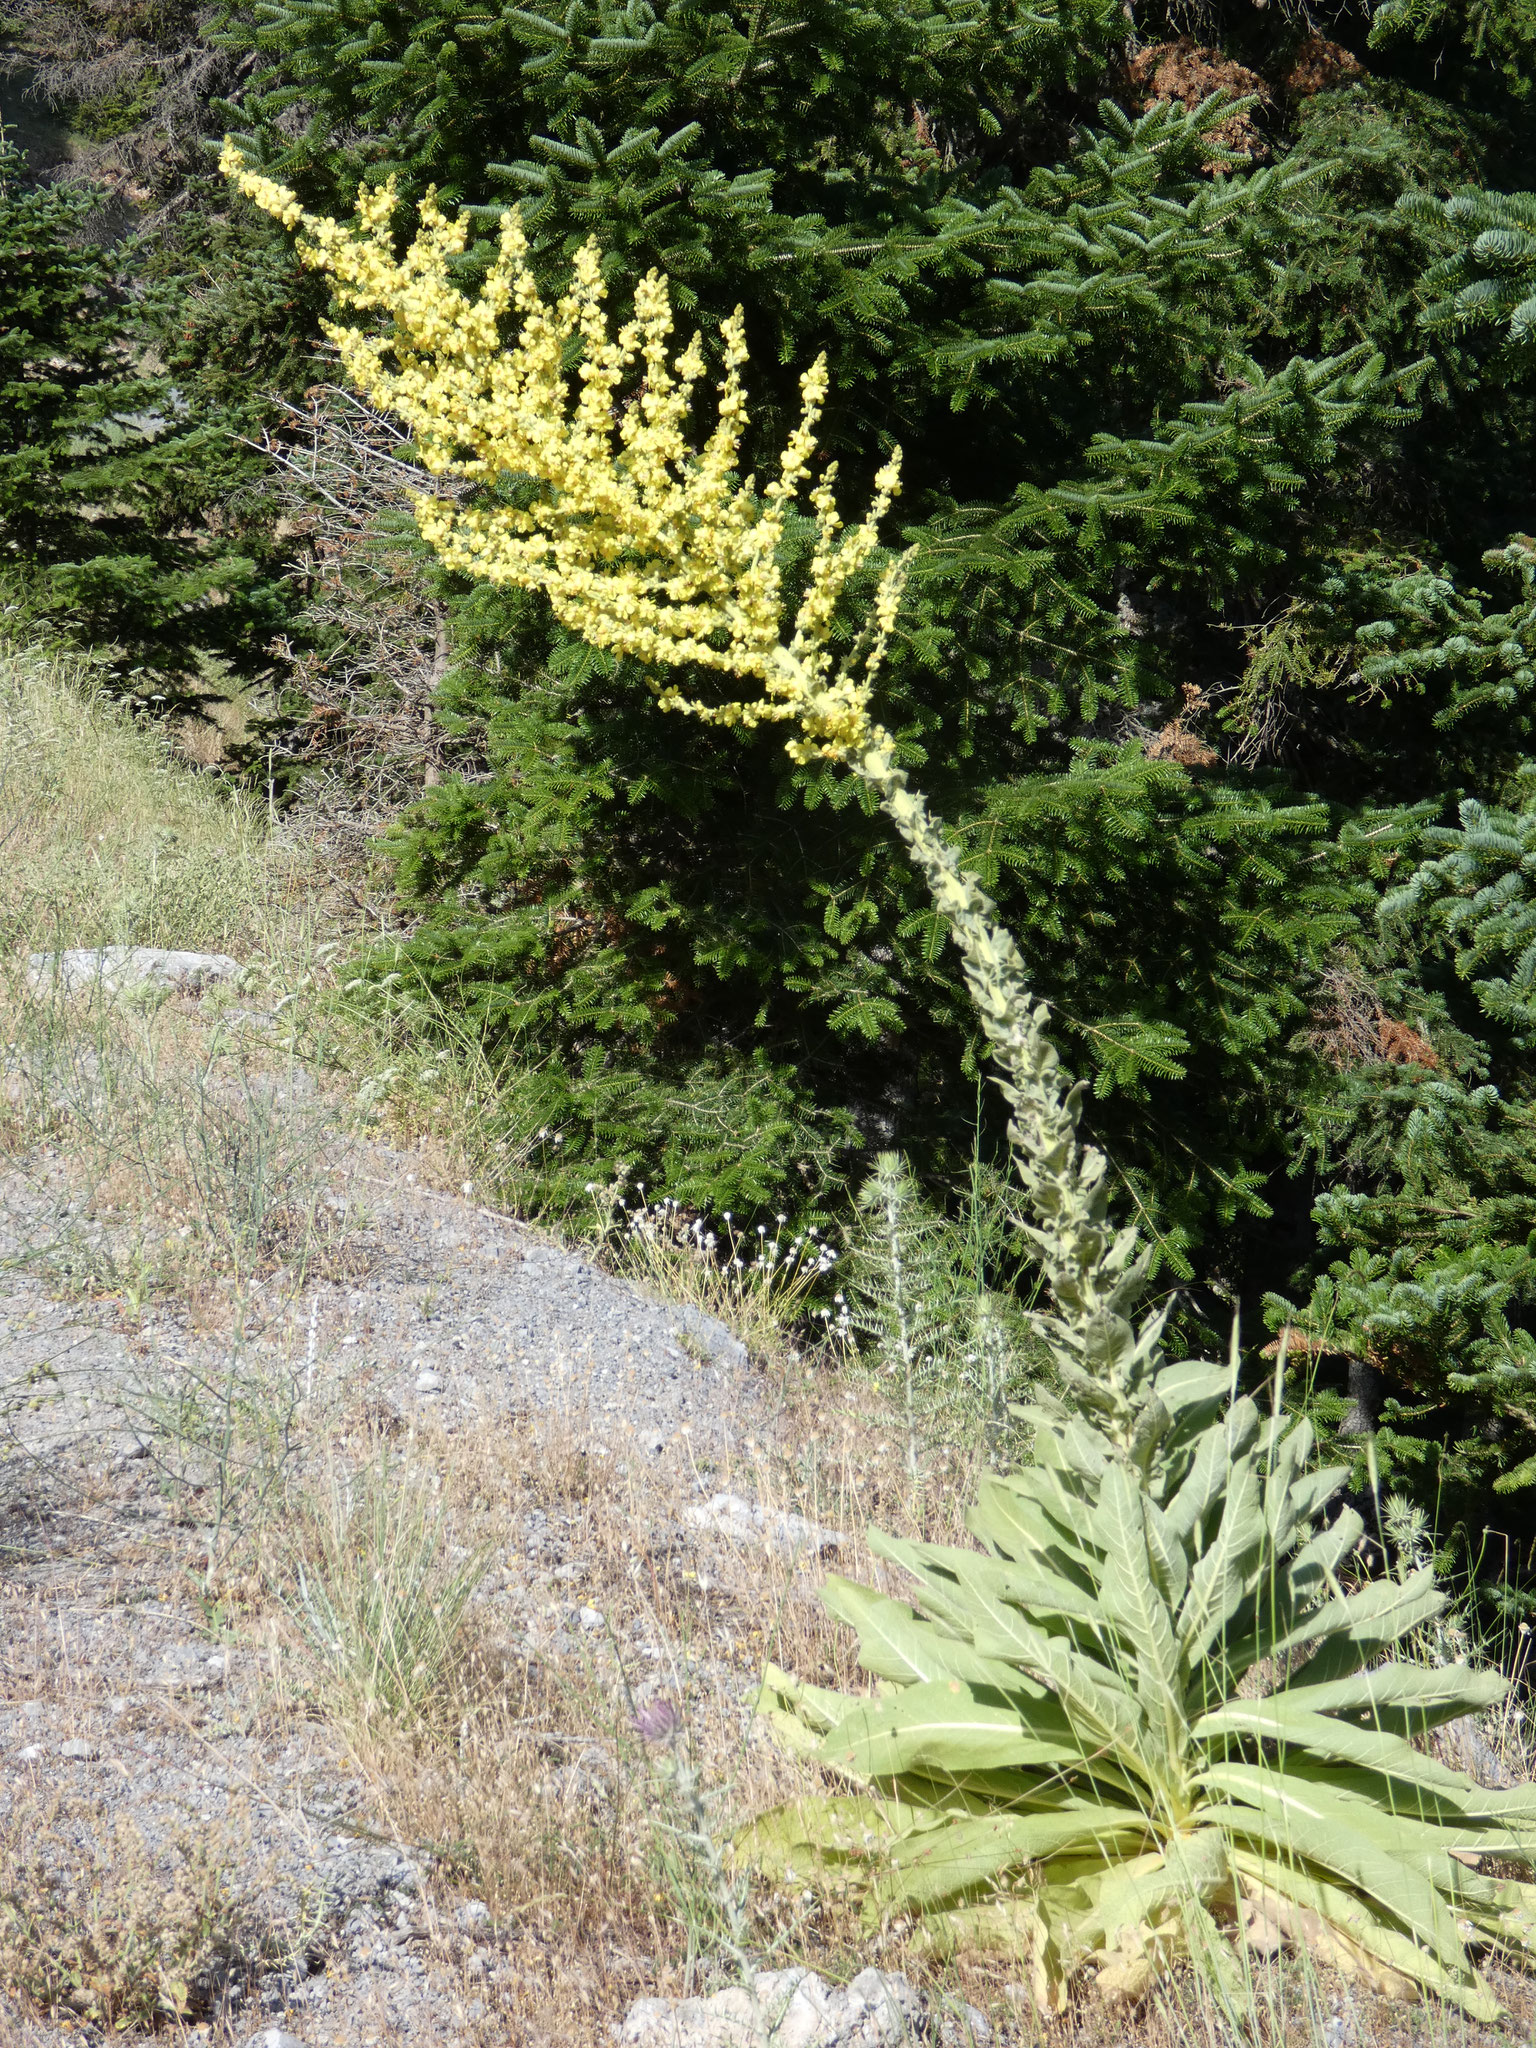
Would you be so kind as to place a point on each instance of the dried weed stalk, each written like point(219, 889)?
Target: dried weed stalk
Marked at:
point(98, 1924)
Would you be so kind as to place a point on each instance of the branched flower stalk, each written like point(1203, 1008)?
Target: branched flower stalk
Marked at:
point(660, 553)
point(1146, 1719)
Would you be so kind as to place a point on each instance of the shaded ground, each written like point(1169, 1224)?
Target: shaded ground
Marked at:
point(36, 130)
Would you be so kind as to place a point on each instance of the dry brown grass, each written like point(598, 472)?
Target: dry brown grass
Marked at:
point(106, 840)
point(97, 1923)
point(164, 1152)
point(525, 1775)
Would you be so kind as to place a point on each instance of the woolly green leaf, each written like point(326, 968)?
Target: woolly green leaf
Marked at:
point(1351, 1631)
point(813, 1707)
point(950, 1861)
point(1312, 1570)
point(1282, 1719)
point(941, 1727)
point(1008, 1518)
point(1423, 1695)
point(821, 1838)
point(1130, 1593)
point(1224, 1574)
point(895, 1643)
point(990, 1582)
point(1354, 1919)
point(1339, 1835)
point(1170, 1565)
point(1192, 1866)
point(1203, 1487)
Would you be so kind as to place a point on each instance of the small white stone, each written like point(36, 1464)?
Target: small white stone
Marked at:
point(743, 1520)
point(77, 1751)
point(32, 1754)
point(964, 2027)
point(428, 1381)
point(590, 1618)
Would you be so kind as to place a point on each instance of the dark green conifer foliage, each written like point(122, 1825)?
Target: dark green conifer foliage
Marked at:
point(107, 477)
point(1501, 33)
point(1066, 352)
point(1489, 282)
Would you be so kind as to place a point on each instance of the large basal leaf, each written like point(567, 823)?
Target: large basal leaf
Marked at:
point(1194, 1865)
point(1166, 1555)
point(1204, 1486)
point(1405, 1698)
point(1282, 1719)
point(1225, 1572)
point(897, 1644)
point(1011, 1521)
point(1314, 1569)
point(1343, 1930)
point(1294, 1820)
point(952, 1861)
point(941, 1726)
point(1130, 1592)
point(1044, 1514)
point(825, 1839)
point(1357, 1628)
point(1044, 1597)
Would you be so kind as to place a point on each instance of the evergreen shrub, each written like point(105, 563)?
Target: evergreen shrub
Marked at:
point(1199, 631)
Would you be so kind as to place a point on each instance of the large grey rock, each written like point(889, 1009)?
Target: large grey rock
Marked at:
point(116, 968)
point(728, 1514)
point(789, 2009)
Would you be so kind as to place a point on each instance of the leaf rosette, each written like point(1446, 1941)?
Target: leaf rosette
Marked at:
point(1145, 1716)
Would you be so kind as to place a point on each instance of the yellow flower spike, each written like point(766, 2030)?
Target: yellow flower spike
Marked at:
point(646, 543)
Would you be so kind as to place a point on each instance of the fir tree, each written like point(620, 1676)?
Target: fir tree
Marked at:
point(109, 483)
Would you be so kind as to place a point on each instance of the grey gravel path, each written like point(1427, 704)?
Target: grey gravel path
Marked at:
point(115, 1699)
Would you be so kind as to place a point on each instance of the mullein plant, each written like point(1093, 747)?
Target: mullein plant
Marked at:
point(1146, 1718)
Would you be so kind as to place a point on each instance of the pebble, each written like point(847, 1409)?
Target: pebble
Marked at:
point(272, 2037)
point(77, 1752)
point(590, 1618)
point(473, 1913)
point(185, 1677)
point(963, 2027)
point(429, 1382)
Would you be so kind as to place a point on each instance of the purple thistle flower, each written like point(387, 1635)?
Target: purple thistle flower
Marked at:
point(658, 1719)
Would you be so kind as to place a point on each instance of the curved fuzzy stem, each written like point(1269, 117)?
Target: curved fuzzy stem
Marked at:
point(1096, 1272)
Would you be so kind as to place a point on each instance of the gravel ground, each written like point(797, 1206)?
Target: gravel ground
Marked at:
point(122, 1705)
